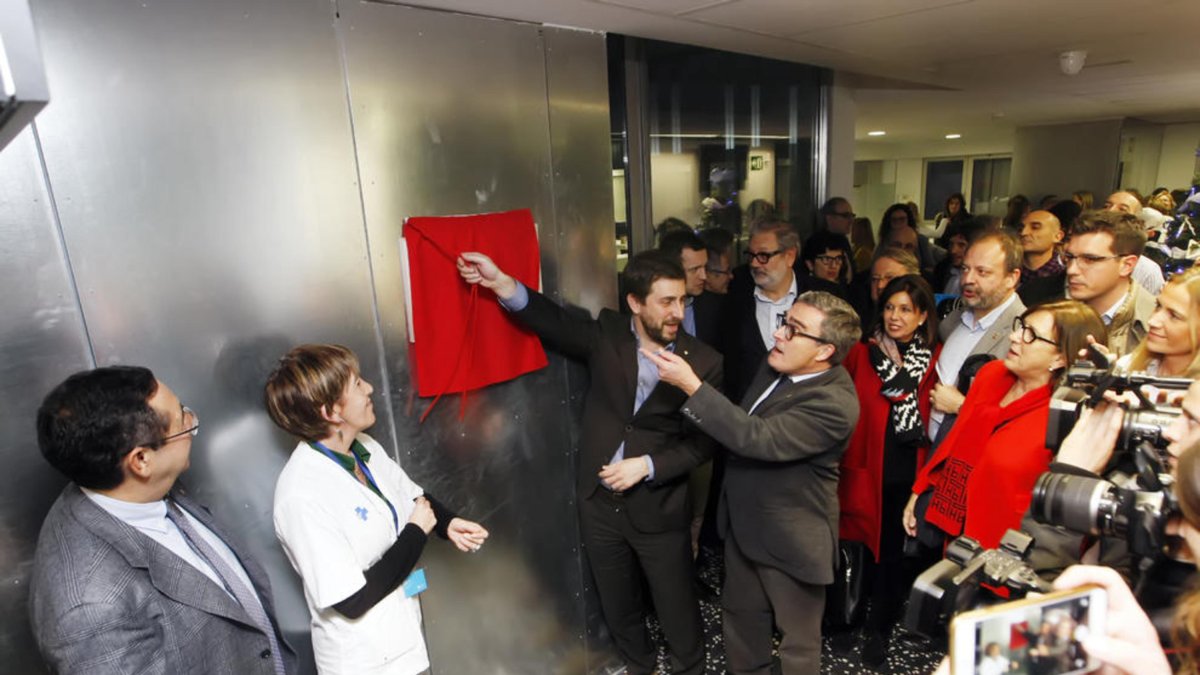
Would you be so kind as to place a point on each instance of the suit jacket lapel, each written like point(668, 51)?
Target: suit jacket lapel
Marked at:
point(169, 573)
point(763, 379)
point(627, 357)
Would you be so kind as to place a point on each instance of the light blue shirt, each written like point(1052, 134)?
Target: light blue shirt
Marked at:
point(958, 347)
point(767, 311)
point(689, 316)
point(647, 372)
point(151, 520)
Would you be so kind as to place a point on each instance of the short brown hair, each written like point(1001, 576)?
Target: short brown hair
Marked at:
point(1073, 323)
point(1010, 245)
point(307, 379)
point(840, 326)
point(1128, 234)
point(905, 258)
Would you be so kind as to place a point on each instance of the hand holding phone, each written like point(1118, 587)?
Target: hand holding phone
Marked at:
point(1042, 635)
point(1130, 644)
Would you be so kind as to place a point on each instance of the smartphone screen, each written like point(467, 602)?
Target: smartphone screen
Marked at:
point(1039, 636)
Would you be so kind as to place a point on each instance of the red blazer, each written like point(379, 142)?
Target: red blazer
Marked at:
point(988, 463)
point(860, 485)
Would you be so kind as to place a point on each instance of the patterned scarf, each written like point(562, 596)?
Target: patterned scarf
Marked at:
point(901, 372)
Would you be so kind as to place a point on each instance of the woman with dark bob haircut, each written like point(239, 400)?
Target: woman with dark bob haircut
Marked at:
point(893, 374)
point(352, 523)
point(981, 477)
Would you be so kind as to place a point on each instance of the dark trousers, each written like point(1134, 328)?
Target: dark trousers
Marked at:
point(756, 599)
point(620, 556)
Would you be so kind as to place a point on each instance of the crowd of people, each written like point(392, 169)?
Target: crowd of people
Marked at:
point(817, 396)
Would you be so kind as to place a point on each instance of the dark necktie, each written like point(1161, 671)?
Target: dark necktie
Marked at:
point(246, 597)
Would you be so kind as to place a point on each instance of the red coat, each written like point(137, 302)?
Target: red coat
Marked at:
point(860, 484)
point(989, 461)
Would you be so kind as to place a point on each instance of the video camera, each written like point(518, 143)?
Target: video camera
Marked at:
point(1085, 384)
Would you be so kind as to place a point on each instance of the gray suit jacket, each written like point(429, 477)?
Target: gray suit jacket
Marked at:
point(105, 598)
point(779, 500)
point(995, 339)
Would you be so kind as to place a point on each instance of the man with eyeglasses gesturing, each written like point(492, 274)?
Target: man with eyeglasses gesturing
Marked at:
point(778, 509)
point(130, 575)
point(1100, 258)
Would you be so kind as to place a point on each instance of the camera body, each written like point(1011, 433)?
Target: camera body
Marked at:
point(953, 585)
point(1085, 384)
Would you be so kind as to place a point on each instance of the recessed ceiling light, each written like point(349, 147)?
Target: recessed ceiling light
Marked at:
point(877, 133)
point(951, 137)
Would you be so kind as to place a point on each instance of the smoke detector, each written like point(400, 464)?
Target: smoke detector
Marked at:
point(1072, 62)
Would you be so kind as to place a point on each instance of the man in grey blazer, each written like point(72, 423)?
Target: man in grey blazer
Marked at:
point(981, 323)
point(131, 576)
point(778, 511)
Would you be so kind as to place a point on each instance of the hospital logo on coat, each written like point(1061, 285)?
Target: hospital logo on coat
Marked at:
point(362, 512)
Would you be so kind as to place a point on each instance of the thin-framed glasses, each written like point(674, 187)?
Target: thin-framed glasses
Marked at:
point(1087, 260)
point(763, 257)
point(791, 331)
point(1028, 334)
point(191, 422)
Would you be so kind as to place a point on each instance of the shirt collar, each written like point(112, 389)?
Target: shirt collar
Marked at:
point(1107, 317)
point(759, 295)
point(637, 339)
point(148, 516)
point(346, 461)
point(968, 315)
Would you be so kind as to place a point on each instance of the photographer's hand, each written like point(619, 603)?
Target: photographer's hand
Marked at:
point(1091, 443)
point(1130, 644)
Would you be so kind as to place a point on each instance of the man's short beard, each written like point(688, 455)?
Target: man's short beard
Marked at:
point(656, 332)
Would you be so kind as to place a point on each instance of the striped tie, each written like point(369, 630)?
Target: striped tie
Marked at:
point(246, 597)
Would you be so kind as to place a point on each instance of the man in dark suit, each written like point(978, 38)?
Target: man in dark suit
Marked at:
point(779, 505)
point(130, 575)
point(701, 308)
point(636, 449)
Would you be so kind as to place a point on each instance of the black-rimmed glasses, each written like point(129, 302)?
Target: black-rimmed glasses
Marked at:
point(191, 422)
point(830, 259)
point(763, 257)
point(791, 331)
point(1028, 334)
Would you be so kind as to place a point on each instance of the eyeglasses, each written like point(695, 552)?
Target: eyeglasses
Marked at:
point(844, 214)
point(1028, 335)
point(790, 331)
point(193, 429)
point(763, 257)
point(717, 271)
point(830, 259)
point(1086, 260)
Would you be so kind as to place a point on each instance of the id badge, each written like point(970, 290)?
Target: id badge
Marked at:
point(415, 583)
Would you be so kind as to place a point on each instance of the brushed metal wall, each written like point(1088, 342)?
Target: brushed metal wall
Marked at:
point(41, 342)
point(218, 181)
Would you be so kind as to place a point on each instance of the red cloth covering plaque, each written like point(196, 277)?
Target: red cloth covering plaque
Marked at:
point(462, 338)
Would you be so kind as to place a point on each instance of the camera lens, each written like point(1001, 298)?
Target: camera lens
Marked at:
point(1078, 503)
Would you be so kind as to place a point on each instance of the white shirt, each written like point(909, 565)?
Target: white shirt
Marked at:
point(1149, 275)
point(332, 528)
point(767, 311)
point(767, 392)
point(958, 347)
point(151, 520)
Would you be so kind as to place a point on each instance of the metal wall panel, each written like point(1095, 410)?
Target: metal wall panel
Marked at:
point(202, 163)
point(41, 342)
point(452, 115)
point(204, 171)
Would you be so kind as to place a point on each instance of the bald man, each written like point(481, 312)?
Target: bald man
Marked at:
point(1146, 273)
point(1043, 273)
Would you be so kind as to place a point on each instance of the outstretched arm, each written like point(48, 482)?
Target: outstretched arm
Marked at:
point(477, 268)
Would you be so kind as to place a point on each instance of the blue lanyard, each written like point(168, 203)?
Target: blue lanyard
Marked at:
point(370, 479)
